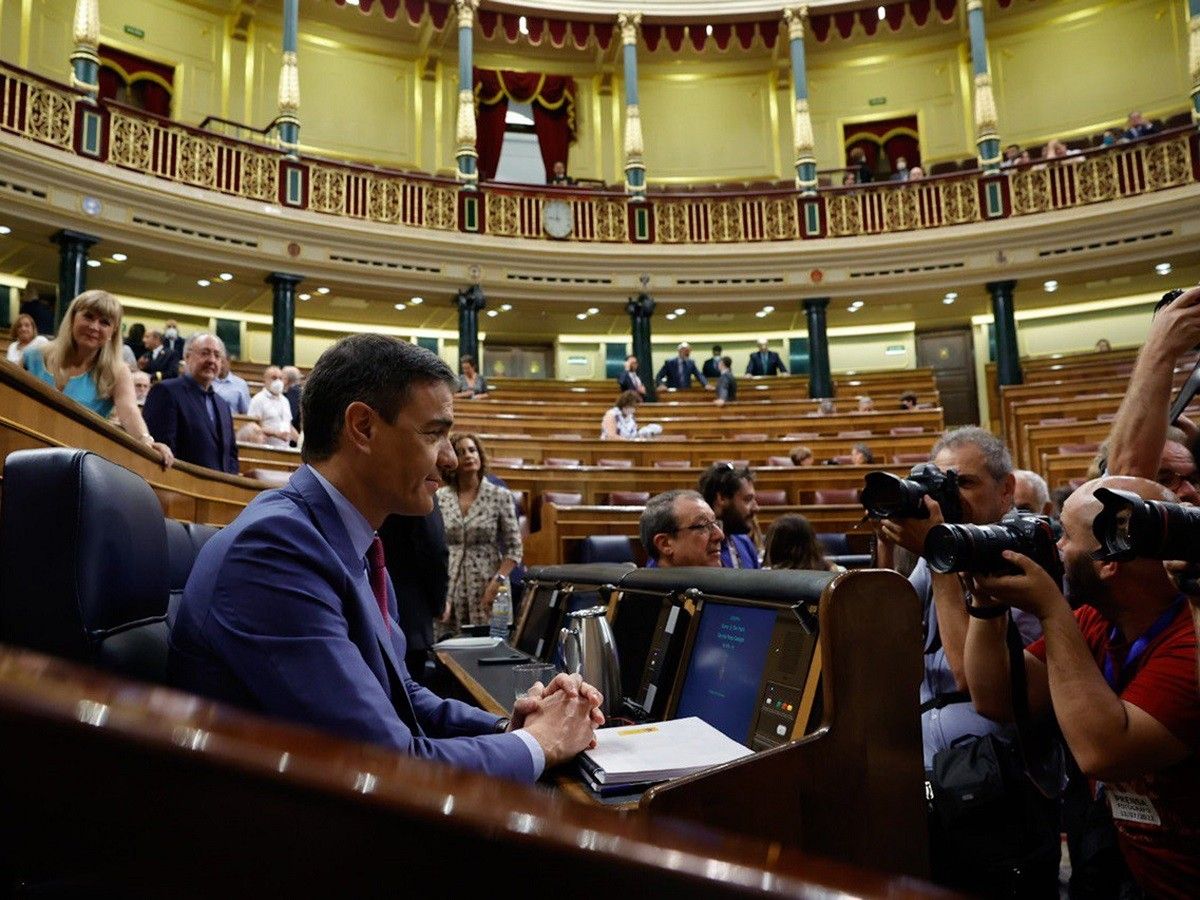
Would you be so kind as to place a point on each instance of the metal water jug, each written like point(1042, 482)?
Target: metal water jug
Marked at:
point(586, 647)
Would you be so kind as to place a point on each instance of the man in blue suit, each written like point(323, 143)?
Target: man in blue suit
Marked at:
point(765, 361)
point(678, 372)
point(188, 416)
point(290, 611)
point(729, 490)
point(628, 378)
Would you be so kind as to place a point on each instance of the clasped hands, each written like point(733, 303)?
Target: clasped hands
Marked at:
point(562, 716)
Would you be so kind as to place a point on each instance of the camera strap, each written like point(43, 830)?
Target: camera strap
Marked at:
point(1119, 680)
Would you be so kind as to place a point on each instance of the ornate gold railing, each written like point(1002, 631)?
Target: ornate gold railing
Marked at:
point(39, 110)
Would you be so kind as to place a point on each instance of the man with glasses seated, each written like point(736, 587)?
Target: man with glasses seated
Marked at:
point(679, 529)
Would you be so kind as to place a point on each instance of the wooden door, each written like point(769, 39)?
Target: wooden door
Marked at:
point(950, 353)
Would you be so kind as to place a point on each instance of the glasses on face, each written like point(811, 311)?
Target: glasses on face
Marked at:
point(1173, 481)
point(711, 526)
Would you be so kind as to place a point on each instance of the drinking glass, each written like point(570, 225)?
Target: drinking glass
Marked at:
point(526, 675)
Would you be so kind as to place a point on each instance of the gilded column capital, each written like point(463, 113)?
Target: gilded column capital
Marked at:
point(985, 107)
point(289, 84)
point(1194, 50)
point(973, 5)
point(633, 135)
point(795, 17)
point(86, 27)
point(464, 132)
point(629, 23)
point(804, 132)
point(466, 12)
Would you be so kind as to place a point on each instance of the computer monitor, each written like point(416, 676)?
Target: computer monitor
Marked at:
point(537, 633)
point(751, 669)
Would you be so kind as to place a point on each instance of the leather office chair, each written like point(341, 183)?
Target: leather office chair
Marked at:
point(559, 462)
point(615, 463)
point(785, 461)
point(672, 463)
point(830, 496)
point(909, 459)
point(507, 462)
point(628, 498)
point(87, 561)
point(771, 497)
point(610, 548)
point(906, 429)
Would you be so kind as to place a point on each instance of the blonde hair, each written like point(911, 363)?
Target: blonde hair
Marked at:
point(16, 325)
point(108, 362)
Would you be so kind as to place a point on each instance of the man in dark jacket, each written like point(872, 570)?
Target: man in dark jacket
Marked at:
point(678, 372)
point(418, 561)
point(765, 361)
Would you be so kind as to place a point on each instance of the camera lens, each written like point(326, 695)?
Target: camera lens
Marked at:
point(1129, 527)
point(887, 496)
point(966, 548)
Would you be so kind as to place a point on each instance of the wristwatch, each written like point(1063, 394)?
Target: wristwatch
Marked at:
point(502, 725)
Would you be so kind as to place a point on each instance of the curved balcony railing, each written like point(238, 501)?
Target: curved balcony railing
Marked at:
point(53, 114)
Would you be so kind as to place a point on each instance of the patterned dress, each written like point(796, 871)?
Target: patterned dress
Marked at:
point(477, 541)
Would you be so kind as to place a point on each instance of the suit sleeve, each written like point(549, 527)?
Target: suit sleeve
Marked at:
point(276, 618)
point(780, 366)
point(699, 376)
point(662, 373)
point(161, 416)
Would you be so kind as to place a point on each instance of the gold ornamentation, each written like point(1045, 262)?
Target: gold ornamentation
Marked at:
point(804, 132)
point(441, 208)
point(610, 220)
point(795, 17)
point(503, 215)
point(289, 84)
point(196, 160)
point(628, 23)
point(1167, 164)
point(86, 28)
point(973, 5)
point(779, 220)
point(1194, 52)
point(985, 108)
point(49, 116)
point(844, 214)
point(1030, 191)
point(464, 132)
point(327, 190)
point(960, 201)
point(260, 177)
point(1096, 178)
point(670, 222)
point(725, 220)
point(466, 12)
point(633, 134)
point(383, 200)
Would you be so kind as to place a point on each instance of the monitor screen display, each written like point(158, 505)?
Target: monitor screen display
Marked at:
point(726, 667)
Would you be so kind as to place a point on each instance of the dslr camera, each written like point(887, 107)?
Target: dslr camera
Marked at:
point(887, 496)
point(1130, 528)
point(979, 548)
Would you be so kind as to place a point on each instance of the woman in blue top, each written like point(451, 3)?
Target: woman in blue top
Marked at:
point(84, 362)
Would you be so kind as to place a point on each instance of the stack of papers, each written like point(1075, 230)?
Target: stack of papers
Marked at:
point(657, 752)
point(466, 643)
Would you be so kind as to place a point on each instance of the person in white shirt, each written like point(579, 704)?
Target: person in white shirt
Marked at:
point(23, 336)
point(273, 410)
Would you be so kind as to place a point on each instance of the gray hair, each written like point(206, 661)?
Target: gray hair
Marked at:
point(996, 458)
point(1041, 491)
point(659, 517)
point(292, 375)
point(187, 345)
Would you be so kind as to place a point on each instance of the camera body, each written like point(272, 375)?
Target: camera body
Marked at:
point(887, 496)
point(978, 548)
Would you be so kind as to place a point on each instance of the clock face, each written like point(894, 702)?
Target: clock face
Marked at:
point(557, 218)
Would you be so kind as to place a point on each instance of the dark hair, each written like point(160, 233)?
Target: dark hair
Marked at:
point(728, 361)
point(723, 479)
point(865, 450)
point(791, 543)
point(467, 358)
point(136, 331)
point(908, 396)
point(374, 369)
point(799, 454)
point(628, 398)
point(450, 476)
point(716, 348)
point(659, 517)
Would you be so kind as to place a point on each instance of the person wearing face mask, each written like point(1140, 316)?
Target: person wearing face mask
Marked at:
point(171, 339)
point(273, 410)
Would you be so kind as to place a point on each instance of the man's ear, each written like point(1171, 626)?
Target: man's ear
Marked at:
point(662, 543)
point(358, 426)
point(1108, 570)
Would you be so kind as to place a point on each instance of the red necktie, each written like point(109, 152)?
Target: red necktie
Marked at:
point(377, 571)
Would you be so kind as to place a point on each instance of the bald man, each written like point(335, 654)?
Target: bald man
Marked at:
point(1118, 675)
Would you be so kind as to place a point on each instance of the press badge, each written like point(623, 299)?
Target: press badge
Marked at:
point(1132, 807)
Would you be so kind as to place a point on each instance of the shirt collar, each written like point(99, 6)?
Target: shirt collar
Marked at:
point(357, 527)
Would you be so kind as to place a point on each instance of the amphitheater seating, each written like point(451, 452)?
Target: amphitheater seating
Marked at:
point(830, 496)
point(628, 498)
point(780, 461)
point(771, 497)
point(614, 463)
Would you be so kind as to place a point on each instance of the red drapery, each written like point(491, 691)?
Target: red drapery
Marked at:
point(884, 142)
point(128, 78)
point(553, 100)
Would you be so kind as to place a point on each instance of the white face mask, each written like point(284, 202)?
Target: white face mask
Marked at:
point(171, 334)
point(276, 386)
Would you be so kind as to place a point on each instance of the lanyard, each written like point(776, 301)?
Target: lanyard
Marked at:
point(735, 561)
point(1139, 646)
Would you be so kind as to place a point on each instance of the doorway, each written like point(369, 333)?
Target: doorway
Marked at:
point(511, 361)
point(950, 352)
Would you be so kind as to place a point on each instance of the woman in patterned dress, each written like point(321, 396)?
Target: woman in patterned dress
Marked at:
point(481, 532)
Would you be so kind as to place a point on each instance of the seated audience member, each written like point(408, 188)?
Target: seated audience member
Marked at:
point(1056, 149)
point(187, 415)
point(678, 528)
point(678, 373)
point(826, 407)
point(866, 404)
point(1103, 346)
point(802, 456)
point(628, 379)
point(558, 175)
point(141, 387)
point(619, 421)
point(729, 492)
point(765, 361)
point(849, 179)
point(908, 400)
point(1110, 138)
point(915, 174)
point(1031, 494)
point(712, 365)
point(158, 362)
point(1012, 155)
point(418, 562)
point(289, 611)
point(22, 336)
point(471, 383)
point(482, 534)
point(232, 387)
point(252, 433)
point(84, 362)
point(726, 383)
point(792, 544)
point(1119, 677)
point(861, 455)
point(272, 409)
point(134, 339)
point(948, 719)
point(1139, 127)
point(901, 173)
point(293, 384)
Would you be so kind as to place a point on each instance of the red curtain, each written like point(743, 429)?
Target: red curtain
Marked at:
point(142, 83)
point(553, 101)
point(884, 142)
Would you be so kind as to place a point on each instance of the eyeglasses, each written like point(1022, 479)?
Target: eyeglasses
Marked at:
point(1173, 481)
point(711, 526)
